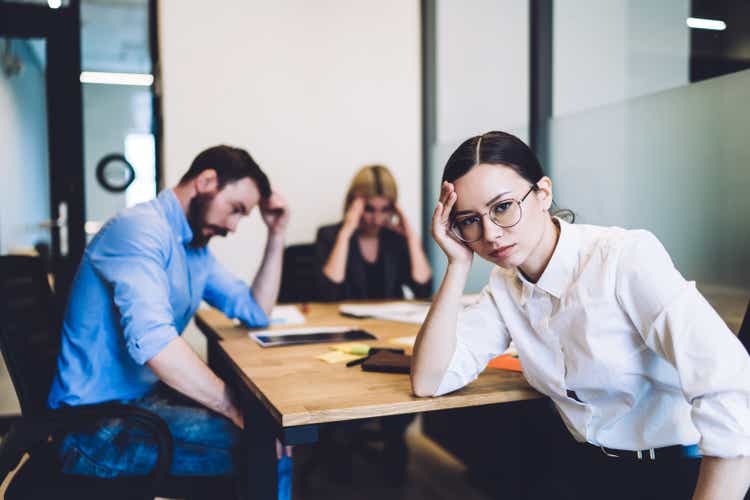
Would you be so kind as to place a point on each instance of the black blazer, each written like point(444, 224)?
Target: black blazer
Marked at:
point(393, 252)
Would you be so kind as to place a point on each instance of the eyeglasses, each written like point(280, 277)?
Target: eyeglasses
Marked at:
point(505, 213)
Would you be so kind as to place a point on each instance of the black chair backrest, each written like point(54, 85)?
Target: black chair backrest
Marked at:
point(744, 333)
point(29, 330)
point(298, 274)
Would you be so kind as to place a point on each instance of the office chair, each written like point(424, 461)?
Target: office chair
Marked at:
point(298, 274)
point(30, 342)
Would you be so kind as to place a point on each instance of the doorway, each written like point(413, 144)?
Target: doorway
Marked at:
point(80, 138)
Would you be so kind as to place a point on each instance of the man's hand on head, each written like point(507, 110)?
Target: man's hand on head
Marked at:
point(275, 213)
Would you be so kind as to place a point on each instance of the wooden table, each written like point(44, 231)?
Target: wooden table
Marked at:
point(287, 393)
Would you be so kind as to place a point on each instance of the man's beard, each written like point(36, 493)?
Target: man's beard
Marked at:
point(196, 216)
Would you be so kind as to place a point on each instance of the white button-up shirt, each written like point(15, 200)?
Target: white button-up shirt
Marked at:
point(611, 319)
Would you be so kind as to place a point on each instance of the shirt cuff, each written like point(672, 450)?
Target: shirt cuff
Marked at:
point(724, 425)
point(148, 345)
point(247, 310)
point(452, 379)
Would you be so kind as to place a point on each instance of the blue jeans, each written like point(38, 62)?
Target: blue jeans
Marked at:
point(205, 443)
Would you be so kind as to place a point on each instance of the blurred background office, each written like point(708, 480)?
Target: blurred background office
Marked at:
point(639, 110)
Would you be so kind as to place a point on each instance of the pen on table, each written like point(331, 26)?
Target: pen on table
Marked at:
point(356, 362)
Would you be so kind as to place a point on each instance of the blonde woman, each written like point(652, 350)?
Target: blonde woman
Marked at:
point(373, 252)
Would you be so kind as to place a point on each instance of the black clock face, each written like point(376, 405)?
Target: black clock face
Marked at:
point(115, 173)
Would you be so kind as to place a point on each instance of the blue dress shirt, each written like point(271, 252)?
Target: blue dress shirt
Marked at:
point(137, 287)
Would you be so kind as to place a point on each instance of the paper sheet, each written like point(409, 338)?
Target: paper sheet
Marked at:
point(287, 315)
point(406, 312)
point(507, 361)
point(283, 315)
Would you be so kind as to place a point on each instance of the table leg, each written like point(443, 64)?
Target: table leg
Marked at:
point(213, 357)
point(261, 480)
point(258, 452)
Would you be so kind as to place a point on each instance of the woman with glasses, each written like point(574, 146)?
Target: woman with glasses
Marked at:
point(637, 363)
point(373, 252)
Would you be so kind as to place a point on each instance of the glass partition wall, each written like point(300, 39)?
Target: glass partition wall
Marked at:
point(634, 143)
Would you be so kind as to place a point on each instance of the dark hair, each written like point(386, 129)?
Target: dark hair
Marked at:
point(498, 148)
point(231, 164)
point(494, 148)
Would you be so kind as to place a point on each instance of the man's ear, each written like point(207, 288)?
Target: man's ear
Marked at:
point(207, 181)
point(544, 193)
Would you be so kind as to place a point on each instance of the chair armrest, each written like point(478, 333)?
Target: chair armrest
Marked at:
point(33, 431)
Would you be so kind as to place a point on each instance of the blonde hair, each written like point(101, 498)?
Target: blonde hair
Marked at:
point(372, 180)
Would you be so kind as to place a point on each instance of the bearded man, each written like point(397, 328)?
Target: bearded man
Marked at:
point(140, 281)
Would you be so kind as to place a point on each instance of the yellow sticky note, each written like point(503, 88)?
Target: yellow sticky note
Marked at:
point(337, 357)
point(358, 349)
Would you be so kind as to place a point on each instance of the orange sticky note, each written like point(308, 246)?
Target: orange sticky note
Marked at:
point(506, 362)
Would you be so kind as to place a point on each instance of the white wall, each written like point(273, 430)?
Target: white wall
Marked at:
point(313, 90)
point(482, 67)
point(24, 160)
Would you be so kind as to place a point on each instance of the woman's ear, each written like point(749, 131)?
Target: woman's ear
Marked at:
point(207, 181)
point(544, 193)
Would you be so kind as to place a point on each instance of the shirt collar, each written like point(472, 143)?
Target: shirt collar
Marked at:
point(525, 288)
point(176, 216)
point(559, 271)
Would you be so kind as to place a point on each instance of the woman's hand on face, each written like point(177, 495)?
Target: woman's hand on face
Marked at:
point(456, 251)
point(354, 214)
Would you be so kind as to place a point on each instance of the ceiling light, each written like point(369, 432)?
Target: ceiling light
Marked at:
point(706, 24)
point(140, 79)
point(54, 4)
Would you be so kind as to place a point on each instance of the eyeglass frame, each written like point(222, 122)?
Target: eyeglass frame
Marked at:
point(457, 233)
